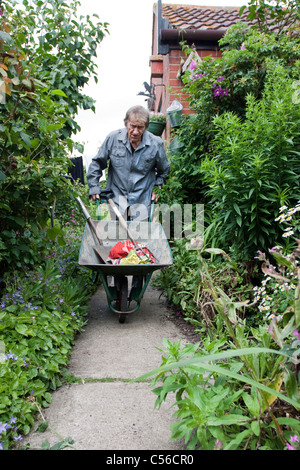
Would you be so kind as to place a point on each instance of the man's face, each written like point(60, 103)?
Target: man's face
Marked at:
point(135, 131)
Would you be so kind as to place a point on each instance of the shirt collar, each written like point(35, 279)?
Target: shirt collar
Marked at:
point(124, 138)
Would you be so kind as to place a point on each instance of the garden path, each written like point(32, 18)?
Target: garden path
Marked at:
point(105, 411)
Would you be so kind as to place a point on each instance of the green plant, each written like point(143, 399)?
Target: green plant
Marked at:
point(46, 57)
point(157, 117)
point(184, 283)
point(218, 404)
point(239, 387)
point(229, 394)
point(281, 14)
point(218, 86)
point(41, 313)
point(254, 169)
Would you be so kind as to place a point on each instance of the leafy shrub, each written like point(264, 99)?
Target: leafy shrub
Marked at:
point(255, 169)
point(223, 85)
point(219, 405)
point(41, 313)
point(46, 57)
point(238, 388)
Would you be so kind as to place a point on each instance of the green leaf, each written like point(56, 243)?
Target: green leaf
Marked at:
point(59, 93)
point(18, 220)
point(2, 177)
point(217, 251)
point(255, 428)
point(6, 37)
point(297, 307)
point(282, 260)
point(236, 208)
point(227, 420)
point(242, 9)
point(45, 445)
point(26, 139)
point(22, 329)
point(199, 363)
point(234, 443)
point(43, 426)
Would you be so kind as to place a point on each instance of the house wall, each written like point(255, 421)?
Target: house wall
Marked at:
point(167, 81)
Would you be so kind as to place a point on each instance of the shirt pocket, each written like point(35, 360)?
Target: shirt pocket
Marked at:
point(118, 158)
point(149, 162)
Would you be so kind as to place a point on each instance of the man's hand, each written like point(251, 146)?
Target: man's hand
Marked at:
point(93, 197)
point(154, 196)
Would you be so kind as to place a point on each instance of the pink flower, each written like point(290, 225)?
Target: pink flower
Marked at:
point(193, 64)
point(243, 47)
point(218, 445)
point(290, 447)
point(296, 333)
point(294, 438)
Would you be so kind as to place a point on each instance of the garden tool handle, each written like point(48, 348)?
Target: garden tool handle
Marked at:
point(122, 221)
point(83, 208)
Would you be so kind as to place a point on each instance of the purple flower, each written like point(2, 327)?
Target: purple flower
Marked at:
point(290, 447)
point(9, 356)
point(294, 438)
point(218, 92)
point(243, 47)
point(296, 333)
point(2, 427)
point(18, 438)
point(1, 445)
point(197, 76)
point(193, 64)
point(219, 79)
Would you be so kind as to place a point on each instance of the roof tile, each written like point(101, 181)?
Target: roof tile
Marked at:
point(201, 17)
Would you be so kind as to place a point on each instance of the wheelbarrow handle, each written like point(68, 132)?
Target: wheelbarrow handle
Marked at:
point(83, 208)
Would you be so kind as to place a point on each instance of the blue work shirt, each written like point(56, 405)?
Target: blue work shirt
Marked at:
point(132, 174)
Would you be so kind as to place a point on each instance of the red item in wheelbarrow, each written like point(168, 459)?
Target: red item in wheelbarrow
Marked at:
point(122, 249)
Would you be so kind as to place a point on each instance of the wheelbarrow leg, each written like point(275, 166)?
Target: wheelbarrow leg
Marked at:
point(123, 298)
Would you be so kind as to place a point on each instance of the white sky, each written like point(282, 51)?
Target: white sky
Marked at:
point(123, 64)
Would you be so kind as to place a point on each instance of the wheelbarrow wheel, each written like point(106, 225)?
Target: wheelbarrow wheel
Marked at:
point(123, 298)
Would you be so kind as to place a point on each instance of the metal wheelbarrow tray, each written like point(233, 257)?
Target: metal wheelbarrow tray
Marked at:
point(111, 232)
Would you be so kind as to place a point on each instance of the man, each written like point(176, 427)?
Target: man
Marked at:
point(137, 164)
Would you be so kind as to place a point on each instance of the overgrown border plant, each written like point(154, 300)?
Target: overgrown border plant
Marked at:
point(240, 393)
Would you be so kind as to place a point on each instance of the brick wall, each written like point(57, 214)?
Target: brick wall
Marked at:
point(168, 84)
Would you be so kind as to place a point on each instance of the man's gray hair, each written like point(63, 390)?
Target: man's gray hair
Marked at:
point(138, 113)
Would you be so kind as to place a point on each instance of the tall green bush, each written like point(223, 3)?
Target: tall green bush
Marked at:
point(222, 85)
point(46, 57)
point(224, 93)
point(256, 165)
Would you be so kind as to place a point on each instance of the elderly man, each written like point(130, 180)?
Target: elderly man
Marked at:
point(137, 164)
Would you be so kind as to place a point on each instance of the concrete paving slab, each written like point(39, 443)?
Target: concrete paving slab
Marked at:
point(106, 414)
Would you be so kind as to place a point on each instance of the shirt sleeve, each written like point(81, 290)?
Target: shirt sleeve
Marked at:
point(162, 166)
point(96, 167)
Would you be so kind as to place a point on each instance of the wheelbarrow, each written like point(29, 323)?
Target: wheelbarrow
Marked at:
point(109, 232)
